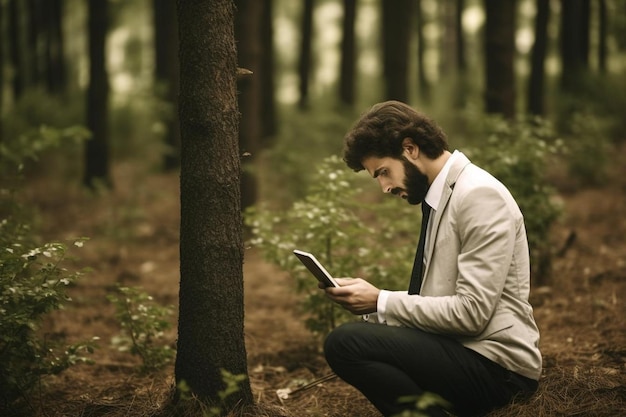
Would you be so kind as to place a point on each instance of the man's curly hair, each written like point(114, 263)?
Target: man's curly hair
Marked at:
point(380, 132)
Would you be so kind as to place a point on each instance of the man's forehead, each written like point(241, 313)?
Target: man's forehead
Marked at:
point(374, 164)
point(369, 163)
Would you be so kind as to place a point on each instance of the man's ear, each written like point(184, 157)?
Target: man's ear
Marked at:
point(409, 149)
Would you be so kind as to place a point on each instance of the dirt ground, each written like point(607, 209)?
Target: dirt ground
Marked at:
point(133, 235)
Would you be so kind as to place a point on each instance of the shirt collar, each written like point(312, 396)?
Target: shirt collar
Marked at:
point(435, 191)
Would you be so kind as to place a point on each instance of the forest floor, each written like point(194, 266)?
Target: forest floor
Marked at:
point(133, 231)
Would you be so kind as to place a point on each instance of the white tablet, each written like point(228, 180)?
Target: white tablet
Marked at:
point(316, 268)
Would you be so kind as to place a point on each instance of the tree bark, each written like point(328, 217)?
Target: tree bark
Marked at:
point(499, 54)
point(211, 313)
point(97, 148)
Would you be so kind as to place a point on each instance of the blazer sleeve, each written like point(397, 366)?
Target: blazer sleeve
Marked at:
point(483, 227)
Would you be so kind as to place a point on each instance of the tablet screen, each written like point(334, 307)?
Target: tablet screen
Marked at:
point(316, 268)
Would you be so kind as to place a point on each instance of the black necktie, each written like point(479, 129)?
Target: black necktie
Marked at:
point(418, 264)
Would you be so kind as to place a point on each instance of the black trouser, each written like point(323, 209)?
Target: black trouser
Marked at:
point(386, 363)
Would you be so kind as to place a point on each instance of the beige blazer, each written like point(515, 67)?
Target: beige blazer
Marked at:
point(477, 274)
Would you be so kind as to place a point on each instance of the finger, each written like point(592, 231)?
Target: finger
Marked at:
point(346, 281)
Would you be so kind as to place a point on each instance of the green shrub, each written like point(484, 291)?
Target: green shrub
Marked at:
point(589, 149)
point(347, 233)
point(143, 322)
point(32, 284)
point(596, 97)
point(296, 146)
point(192, 405)
point(33, 280)
point(517, 153)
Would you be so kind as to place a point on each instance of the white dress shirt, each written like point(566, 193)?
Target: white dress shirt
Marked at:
point(433, 196)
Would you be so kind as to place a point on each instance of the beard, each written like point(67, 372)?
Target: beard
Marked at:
point(415, 184)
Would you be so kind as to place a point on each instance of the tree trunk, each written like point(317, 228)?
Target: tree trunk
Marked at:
point(602, 33)
point(422, 81)
point(499, 54)
point(166, 74)
point(1, 75)
point(16, 48)
point(97, 148)
point(396, 27)
point(585, 29)
point(573, 59)
point(538, 57)
point(348, 54)
point(447, 16)
point(463, 89)
point(211, 315)
point(268, 103)
point(56, 80)
point(35, 35)
point(248, 36)
point(304, 63)
point(461, 63)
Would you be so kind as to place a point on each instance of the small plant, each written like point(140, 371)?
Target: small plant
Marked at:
point(333, 222)
point(517, 153)
point(589, 147)
point(143, 322)
point(32, 284)
point(422, 403)
point(231, 386)
point(33, 279)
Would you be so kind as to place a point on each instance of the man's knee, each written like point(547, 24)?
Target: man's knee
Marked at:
point(341, 341)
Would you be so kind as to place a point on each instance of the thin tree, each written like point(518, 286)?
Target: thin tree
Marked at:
point(448, 18)
point(269, 125)
point(1, 73)
point(304, 62)
point(422, 80)
point(538, 57)
point(574, 39)
point(56, 78)
point(499, 55)
point(602, 34)
point(166, 74)
point(396, 27)
point(462, 90)
point(97, 148)
point(16, 49)
point(461, 62)
point(36, 24)
point(211, 314)
point(348, 54)
point(248, 36)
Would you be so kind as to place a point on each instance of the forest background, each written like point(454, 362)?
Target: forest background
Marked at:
point(90, 148)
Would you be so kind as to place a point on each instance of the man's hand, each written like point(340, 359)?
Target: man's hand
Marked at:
point(355, 295)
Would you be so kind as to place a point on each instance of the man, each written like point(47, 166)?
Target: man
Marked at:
point(465, 329)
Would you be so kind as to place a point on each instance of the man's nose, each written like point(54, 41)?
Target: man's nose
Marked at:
point(385, 185)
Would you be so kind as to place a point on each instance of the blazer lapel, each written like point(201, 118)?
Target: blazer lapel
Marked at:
point(458, 166)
